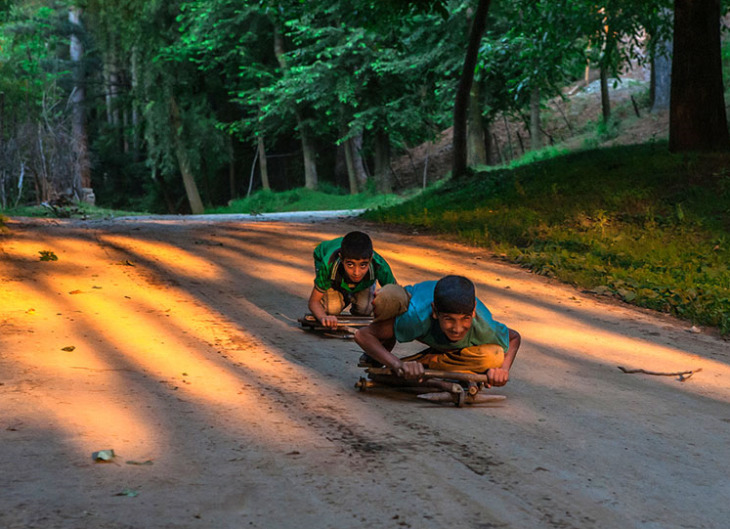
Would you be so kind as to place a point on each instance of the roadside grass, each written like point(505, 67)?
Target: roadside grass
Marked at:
point(80, 210)
point(634, 222)
point(300, 199)
point(303, 199)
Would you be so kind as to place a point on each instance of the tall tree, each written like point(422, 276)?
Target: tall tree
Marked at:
point(461, 103)
point(304, 121)
point(697, 118)
point(82, 169)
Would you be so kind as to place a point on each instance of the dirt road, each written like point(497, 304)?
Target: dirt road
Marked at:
point(174, 343)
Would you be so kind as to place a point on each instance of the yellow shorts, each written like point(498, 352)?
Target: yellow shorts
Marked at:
point(361, 303)
point(475, 359)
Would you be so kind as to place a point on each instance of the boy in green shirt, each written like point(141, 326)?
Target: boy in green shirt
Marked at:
point(346, 270)
point(446, 316)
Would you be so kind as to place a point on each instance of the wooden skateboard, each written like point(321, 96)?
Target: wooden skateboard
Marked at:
point(346, 325)
point(436, 386)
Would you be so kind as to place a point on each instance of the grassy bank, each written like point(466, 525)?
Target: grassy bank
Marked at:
point(75, 211)
point(302, 199)
point(648, 227)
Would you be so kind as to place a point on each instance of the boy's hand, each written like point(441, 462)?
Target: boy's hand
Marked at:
point(497, 376)
point(409, 370)
point(329, 321)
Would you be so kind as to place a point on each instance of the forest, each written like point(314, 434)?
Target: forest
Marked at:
point(174, 106)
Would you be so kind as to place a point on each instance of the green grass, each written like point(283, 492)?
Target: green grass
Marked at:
point(300, 199)
point(303, 199)
point(638, 223)
point(83, 211)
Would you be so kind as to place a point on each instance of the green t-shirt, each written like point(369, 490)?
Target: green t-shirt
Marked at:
point(330, 273)
point(417, 324)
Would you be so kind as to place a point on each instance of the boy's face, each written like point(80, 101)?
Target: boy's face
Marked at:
point(454, 325)
point(355, 269)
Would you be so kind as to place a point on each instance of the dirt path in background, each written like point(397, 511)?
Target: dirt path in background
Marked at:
point(187, 363)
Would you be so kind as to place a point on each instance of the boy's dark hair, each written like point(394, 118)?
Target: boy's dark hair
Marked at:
point(454, 295)
point(356, 245)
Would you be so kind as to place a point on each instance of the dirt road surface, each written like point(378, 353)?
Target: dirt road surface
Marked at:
point(174, 343)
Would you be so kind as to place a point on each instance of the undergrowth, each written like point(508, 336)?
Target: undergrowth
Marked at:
point(71, 210)
point(303, 199)
point(637, 223)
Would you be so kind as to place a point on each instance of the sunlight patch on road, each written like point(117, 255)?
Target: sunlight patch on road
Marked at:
point(615, 349)
point(81, 400)
point(125, 333)
point(173, 258)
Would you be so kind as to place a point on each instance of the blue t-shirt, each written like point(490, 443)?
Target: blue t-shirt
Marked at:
point(417, 324)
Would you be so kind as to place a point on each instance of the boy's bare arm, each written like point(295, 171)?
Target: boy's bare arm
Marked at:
point(514, 344)
point(500, 376)
point(371, 339)
point(317, 310)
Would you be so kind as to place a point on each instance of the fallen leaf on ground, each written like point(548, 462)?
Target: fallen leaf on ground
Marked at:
point(68, 348)
point(128, 492)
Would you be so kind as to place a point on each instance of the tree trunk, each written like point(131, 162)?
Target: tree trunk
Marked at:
point(605, 64)
point(308, 148)
point(347, 148)
point(605, 98)
point(488, 143)
point(309, 151)
point(263, 165)
point(350, 164)
point(357, 160)
point(231, 169)
point(136, 143)
point(461, 103)
point(383, 180)
point(535, 133)
point(191, 189)
point(661, 75)
point(111, 82)
point(2, 120)
point(80, 143)
point(697, 118)
point(476, 155)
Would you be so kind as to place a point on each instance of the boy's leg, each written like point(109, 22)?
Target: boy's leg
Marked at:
point(362, 302)
point(475, 359)
point(368, 361)
point(333, 302)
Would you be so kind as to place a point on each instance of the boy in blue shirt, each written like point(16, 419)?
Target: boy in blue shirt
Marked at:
point(346, 270)
point(447, 316)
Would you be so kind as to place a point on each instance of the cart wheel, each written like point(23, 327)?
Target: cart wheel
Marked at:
point(362, 384)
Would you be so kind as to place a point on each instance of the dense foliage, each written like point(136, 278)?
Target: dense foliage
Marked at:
point(176, 102)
